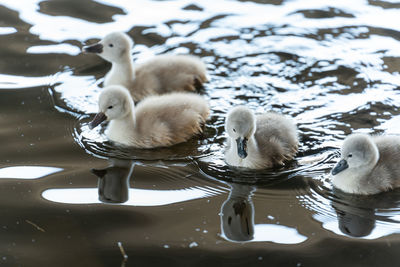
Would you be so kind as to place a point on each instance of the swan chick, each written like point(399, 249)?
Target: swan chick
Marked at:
point(368, 164)
point(261, 141)
point(159, 75)
point(157, 121)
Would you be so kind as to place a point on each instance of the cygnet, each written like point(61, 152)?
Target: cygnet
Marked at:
point(157, 121)
point(159, 75)
point(368, 164)
point(261, 141)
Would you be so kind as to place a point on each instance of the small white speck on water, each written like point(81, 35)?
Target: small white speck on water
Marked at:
point(205, 231)
point(166, 246)
point(270, 217)
point(193, 245)
point(260, 258)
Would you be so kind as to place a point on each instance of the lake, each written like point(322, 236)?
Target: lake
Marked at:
point(71, 198)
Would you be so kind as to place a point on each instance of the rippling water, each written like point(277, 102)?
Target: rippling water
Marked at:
point(69, 196)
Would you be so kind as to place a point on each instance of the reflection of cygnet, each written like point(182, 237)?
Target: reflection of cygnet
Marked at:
point(356, 225)
point(368, 165)
point(157, 121)
point(113, 182)
point(261, 141)
point(237, 214)
point(355, 216)
point(162, 74)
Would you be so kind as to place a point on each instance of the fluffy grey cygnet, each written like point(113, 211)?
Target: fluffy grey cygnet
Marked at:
point(157, 121)
point(261, 141)
point(368, 164)
point(159, 75)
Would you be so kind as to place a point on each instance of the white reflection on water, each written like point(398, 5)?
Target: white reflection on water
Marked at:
point(356, 222)
point(277, 234)
point(59, 49)
point(19, 82)
point(60, 28)
point(137, 197)
point(379, 231)
point(27, 172)
point(248, 14)
point(7, 30)
point(391, 126)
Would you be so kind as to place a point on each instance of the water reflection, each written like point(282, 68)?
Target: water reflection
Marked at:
point(54, 49)
point(354, 218)
point(115, 186)
point(27, 172)
point(237, 213)
point(113, 181)
point(333, 66)
point(368, 217)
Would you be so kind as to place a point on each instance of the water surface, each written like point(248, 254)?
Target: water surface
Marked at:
point(69, 196)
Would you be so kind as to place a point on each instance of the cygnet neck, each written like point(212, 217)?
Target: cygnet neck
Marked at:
point(126, 123)
point(124, 68)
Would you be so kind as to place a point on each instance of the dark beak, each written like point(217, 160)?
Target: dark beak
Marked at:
point(99, 173)
point(242, 147)
point(340, 166)
point(96, 48)
point(99, 118)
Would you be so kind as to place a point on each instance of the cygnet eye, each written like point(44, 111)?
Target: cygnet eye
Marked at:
point(350, 155)
point(110, 107)
point(111, 45)
point(234, 130)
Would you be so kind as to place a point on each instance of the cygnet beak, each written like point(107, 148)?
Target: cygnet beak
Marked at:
point(99, 173)
point(242, 147)
point(99, 118)
point(96, 48)
point(340, 166)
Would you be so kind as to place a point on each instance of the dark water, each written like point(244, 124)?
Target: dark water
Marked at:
point(331, 65)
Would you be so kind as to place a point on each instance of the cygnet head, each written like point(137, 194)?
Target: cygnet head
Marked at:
point(114, 47)
point(115, 102)
point(240, 125)
point(359, 152)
